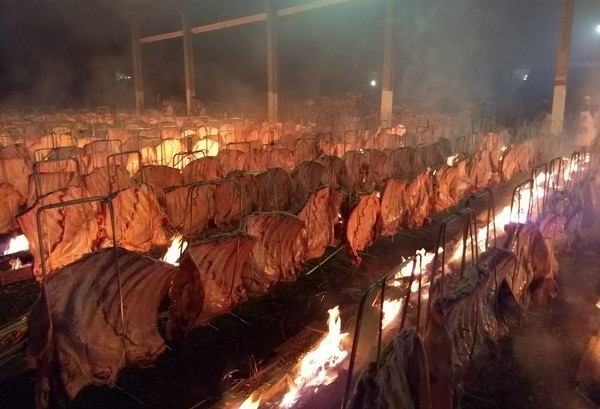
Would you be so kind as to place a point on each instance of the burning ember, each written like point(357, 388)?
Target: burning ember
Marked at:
point(253, 402)
point(16, 264)
point(318, 366)
point(177, 247)
point(17, 244)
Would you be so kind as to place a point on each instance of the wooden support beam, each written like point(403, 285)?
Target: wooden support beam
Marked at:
point(387, 76)
point(188, 63)
point(136, 51)
point(243, 20)
point(272, 88)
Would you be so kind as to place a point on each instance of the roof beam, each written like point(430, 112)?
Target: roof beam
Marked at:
point(243, 20)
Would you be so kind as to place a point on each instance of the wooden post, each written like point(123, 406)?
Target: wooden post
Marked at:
point(138, 81)
point(387, 76)
point(272, 89)
point(562, 66)
point(188, 61)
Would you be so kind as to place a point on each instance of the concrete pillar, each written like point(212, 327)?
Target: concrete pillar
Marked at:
point(188, 63)
point(138, 80)
point(562, 66)
point(272, 88)
point(387, 76)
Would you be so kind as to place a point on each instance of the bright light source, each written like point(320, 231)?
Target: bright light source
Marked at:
point(525, 77)
point(598, 29)
point(373, 83)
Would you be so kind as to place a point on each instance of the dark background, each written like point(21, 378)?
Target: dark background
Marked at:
point(66, 52)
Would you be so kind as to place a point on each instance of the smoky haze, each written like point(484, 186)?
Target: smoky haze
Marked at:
point(448, 53)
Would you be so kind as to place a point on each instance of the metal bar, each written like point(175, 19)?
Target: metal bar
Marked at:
point(562, 65)
point(243, 20)
point(188, 63)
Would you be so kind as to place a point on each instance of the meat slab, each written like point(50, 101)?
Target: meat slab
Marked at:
point(321, 214)
point(76, 329)
point(364, 226)
point(392, 206)
point(281, 240)
point(10, 205)
point(209, 282)
point(190, 208)
point(69, 232)
point(401, 381)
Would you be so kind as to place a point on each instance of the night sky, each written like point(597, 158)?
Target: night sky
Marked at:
point(66, 52)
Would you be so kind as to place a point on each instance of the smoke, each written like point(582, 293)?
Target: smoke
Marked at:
point(59, 52)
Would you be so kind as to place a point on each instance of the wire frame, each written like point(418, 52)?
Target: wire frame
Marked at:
point(376, 292)
point(526, 189)
point(36, 173)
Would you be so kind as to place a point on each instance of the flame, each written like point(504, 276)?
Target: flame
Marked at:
point(316, 367)
point(451, 160)
point(177, 247)
point(253, 402)
point(17, 244)
point(391, 310)
point(16, 263)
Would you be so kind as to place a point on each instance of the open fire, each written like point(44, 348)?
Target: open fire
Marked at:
point(17, 244)
point(318, 367)
point(178, 246)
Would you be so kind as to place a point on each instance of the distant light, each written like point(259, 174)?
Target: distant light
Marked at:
point(525, 77)
point(598, 29)
point(373, 83)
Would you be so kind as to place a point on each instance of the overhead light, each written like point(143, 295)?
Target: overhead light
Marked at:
point(525, 77)
point(373, 83)
point(598, 29)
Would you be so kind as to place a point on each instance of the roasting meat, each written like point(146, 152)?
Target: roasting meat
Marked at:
point(68, 232)
point(537, 266)
point(320, 214)
point(98, 182)
point(515, 160)
point(159, 177)
point(85, 342)
point(166, 151)
point(400, 162)
point(10, 205)
point(418, 198)
point(336, 169)
point(306, 149)
point(234, 198)
point(190, 208)
point(466, 313)
point(278, 254)
point(208, 283)
point(273, 190)
point(201, 170)
point(229, 160)
point(45, 183)
point(307, 177)
point(16, 172)
point(392, 206)
point(139, 220)
point(364, 226)
point(401, 381)
point(479, 169)
point(14, 151)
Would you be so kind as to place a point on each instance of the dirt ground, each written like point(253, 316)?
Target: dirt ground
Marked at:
point(537, 363)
